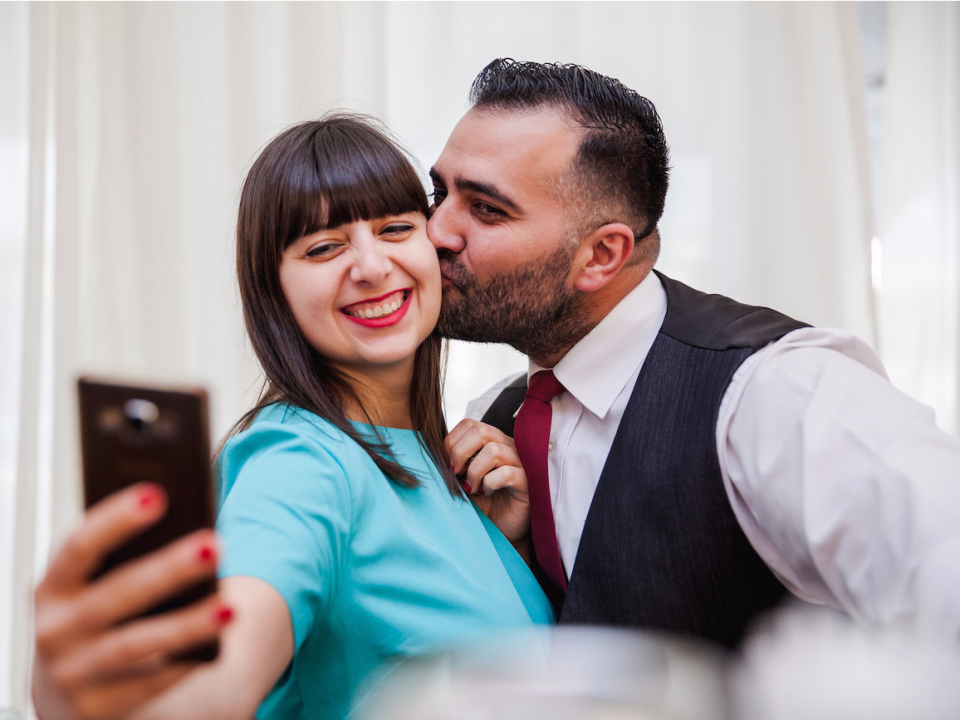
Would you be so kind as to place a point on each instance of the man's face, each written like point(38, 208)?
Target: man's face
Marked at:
point(500, 230)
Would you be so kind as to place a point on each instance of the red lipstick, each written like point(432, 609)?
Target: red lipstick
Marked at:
point(386, 320)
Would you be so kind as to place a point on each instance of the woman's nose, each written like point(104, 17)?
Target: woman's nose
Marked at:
point(372, 264)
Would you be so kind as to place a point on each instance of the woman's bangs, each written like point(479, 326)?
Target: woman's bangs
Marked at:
point(346, 173)
point(369, 189)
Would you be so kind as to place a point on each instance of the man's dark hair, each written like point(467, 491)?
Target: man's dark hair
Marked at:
point(622, 162)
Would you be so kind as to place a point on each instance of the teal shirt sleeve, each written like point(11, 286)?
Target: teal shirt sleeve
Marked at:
point(285, 516)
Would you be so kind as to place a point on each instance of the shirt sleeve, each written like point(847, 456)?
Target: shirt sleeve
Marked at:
point(844, 485)
point(285, 517)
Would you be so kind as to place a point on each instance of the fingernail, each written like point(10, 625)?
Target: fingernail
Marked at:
point(205, 553)
point(149, 495)
point(467, 489)
point(225, 614)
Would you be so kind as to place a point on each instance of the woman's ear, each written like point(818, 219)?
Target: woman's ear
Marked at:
point(601, 256)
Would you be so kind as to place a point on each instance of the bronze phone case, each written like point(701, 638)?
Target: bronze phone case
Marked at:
point(136, 434)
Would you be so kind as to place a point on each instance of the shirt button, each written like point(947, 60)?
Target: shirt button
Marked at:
point(551, 446)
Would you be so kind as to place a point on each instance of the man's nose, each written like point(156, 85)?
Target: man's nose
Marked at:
point(444, 228)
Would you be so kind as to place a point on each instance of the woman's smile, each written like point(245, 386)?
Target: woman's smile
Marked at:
point(382, 311)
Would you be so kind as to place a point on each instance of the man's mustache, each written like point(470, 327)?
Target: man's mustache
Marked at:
point(452, 269)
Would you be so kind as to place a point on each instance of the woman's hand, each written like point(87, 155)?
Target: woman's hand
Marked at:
point(492, 475)
point(89, 662)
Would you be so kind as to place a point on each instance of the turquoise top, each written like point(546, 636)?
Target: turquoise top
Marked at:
point(371, 572)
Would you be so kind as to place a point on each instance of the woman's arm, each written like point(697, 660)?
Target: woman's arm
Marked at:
point(254, 651)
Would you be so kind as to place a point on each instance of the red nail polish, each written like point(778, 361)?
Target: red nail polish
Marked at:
point(205, 553)
point(225, 614)
point(467, 489)
point(149, 496)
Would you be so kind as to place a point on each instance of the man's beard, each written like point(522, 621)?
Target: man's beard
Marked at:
point(529, 308)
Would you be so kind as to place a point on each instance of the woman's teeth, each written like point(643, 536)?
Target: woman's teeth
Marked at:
point(377, 311)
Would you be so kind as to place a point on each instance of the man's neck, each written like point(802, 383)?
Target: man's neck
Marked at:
point(596, 306)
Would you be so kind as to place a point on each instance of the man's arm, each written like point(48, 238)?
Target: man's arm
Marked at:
point(843, 484)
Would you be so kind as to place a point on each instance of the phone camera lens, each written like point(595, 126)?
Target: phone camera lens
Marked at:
point(140, 414)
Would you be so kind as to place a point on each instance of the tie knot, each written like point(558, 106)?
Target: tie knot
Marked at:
point(544, 386)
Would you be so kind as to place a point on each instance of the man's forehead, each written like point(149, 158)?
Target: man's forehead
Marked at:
point(504, 127)
point(487, 146)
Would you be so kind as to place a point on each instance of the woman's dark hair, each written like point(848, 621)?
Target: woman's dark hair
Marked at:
point(623, 159)
point(339, 169)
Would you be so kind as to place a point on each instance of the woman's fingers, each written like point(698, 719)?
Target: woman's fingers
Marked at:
point(467, 439)
point(496, 467)
point(143, 645)
point(457, 432)
point(460, 450)
point(507, 478)
point(107, 525)
point(129, 590)
point(509, 511)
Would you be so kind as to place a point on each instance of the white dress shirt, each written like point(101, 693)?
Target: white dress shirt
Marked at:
point(843, 484)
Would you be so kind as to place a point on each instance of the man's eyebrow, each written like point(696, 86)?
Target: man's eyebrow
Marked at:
point(464, 185)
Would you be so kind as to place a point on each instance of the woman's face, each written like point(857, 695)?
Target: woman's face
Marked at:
point(365, 294)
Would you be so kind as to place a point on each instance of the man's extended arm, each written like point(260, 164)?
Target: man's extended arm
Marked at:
point(843, 484)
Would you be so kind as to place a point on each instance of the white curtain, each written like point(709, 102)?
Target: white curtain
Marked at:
point(129, 128)
point(919, 223)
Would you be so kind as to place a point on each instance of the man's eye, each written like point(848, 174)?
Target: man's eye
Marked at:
point(487, 210)
point(438, 195)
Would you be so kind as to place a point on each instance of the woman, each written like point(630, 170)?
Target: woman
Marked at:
point(347, 540)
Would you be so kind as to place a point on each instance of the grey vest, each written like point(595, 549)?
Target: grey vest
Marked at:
point(661, 547)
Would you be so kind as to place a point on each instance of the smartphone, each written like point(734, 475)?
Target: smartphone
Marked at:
point(132, 434)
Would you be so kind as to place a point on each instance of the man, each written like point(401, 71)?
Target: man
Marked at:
point(703, 455)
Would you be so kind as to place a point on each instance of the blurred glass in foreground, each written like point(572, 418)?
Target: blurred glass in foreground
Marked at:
point(809, 662)
point(564, 673)
point(800, 663)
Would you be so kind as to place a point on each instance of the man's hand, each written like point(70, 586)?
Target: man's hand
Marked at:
point(487, 461)
point(89, 662)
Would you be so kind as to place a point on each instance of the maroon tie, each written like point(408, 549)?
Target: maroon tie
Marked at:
point(531, 433)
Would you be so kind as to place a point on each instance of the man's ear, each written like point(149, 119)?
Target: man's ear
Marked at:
point(602, 255)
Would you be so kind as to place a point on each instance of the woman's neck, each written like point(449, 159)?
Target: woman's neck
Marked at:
point(384, 394)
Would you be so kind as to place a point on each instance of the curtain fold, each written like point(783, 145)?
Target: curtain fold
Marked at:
point(38, 229)
point(920, 206)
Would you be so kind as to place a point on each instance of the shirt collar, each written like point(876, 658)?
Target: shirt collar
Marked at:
point(596, 369)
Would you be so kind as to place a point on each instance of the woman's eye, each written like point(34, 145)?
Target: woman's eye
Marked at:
point(322, 250)
point(397, 229)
